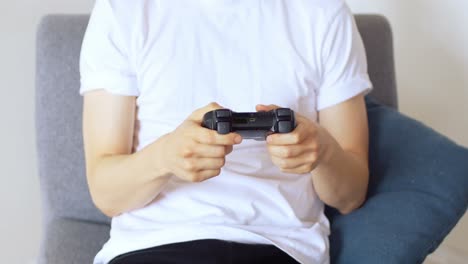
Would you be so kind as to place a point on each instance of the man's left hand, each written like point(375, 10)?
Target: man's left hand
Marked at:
point(300, 151)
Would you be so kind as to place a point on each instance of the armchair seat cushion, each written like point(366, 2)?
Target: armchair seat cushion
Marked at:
point(418, 191)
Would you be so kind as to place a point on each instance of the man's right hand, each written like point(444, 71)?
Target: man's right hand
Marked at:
point(194, 153)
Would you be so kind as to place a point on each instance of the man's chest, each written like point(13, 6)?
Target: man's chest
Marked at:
point(238, 59)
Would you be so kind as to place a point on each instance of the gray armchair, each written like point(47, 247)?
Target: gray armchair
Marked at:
point(74, 230)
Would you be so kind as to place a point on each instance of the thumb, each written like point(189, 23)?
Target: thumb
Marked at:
point(266, 108)
point(198, 114)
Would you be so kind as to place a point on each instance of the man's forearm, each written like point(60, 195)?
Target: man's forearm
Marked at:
point(341, 179)
point(121, 183)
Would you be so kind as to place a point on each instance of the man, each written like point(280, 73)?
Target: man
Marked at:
point(180, 193)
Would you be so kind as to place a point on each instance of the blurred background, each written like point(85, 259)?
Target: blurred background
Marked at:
point(431, 46)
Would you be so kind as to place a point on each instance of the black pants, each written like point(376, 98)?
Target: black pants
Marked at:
point(207, 251)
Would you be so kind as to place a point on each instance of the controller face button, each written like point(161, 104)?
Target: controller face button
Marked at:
point(283, 112)
point(223, 113)
point(224, 128)
point(284, 126)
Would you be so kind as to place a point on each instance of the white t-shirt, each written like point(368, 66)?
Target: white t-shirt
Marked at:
point(179, 55)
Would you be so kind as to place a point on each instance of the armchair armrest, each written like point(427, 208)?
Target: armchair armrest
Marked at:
point(418, 191)
point(72, 241)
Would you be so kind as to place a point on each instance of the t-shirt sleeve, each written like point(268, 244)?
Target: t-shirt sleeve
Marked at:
point(105, 61)
point(344, 62)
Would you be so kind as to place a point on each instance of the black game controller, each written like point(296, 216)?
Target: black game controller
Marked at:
point(256, 125)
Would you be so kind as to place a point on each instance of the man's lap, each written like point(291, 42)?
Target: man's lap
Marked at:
point(208, 251)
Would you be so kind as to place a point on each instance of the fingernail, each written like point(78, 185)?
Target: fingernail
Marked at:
point(238, 139)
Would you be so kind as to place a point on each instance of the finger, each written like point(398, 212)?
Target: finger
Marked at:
point(288, 151)
point(211, 137)
point(208, 174)
point(201, 164)
point(198, 114)
point(300, 170)
point(307, 162)
point(305, 129)
point(210, 151)
point(287, 164)
point(261, 107)
point(228, 149)
point(198, 176)
point(293, 138)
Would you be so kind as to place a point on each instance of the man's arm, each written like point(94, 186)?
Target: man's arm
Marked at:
point(119, 180)
point(335, 151)
point(341, 179)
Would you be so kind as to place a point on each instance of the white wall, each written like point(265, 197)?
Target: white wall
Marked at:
point(432, 66)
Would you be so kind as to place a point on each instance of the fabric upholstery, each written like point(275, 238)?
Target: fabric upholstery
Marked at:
point(58, 120)
point(70, 241)
point(418, 191)
point(378, 40)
